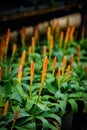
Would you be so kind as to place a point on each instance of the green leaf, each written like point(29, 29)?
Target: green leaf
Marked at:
point(45, 123)
point(78, 95)
point(21, 91)
point(52, 127)
point(85, 106)
point(52, 116)
point(51, 88)
point(14, 72)
point(62, 105)
point(16, 97)
point(26, 78)
point(59, 95)
point(42, 106)
point(31, 125)
point(3, 128)
point(14, 108)
point(29, 104)
point(73, 104)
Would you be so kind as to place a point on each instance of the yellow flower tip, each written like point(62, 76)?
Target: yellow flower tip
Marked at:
point(6, 107)
point(20, 73)
point(0, 73)
point(44, 50)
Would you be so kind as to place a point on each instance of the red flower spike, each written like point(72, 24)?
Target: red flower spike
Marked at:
point(83, 32)
point(6, 107)
point(0, 73)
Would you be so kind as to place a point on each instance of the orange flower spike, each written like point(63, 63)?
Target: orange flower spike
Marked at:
point(44, 50)
point(71, 61)
point(78, 55)
point(33, 44)
point(7, 37)
point(68, 74)
point(51, 46)
point(15, 118)
point(83, 32)
point(53, 26)
point(54, 66)
point(31, 76)
point(36, 34)
point(48, 34)
point(85, 71)
point(0, 73)
point(29, 50)
point(45, 63)
point(57, 30)
point(23, 34)
point(72, 32)
point(16, 115)
point(63, 64)
point(23, 57)
point(61, 39)
point(59, 72)
point(19, 73)
point(6, 107)
point(67, 37)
